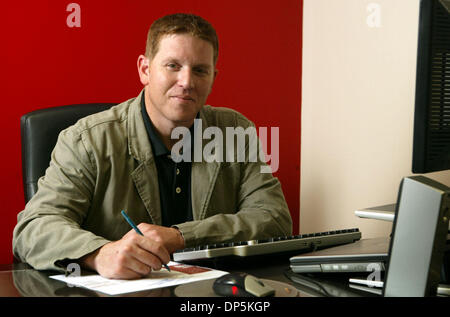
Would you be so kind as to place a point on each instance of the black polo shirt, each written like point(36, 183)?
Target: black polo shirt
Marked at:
point(174, 179)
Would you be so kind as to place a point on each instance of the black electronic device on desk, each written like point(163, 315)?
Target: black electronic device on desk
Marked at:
point(241, 284)
point(365, 255)
point(276, 245)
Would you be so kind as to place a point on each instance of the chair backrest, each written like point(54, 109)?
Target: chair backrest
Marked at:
point(39, 133)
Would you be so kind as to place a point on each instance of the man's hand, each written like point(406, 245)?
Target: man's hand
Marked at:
point(171, 238)
point(135, 256)
point(131, 257)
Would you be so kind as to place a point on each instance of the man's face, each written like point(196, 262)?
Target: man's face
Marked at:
point(178, 80)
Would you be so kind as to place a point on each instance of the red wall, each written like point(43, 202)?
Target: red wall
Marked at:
point(46, 63)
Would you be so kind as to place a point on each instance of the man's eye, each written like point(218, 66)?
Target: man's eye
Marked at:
point(201, 71)
point(172, 66)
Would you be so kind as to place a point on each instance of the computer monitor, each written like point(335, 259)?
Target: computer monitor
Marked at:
point(431, 144)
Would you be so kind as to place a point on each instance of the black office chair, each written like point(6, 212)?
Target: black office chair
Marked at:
point(39, 133)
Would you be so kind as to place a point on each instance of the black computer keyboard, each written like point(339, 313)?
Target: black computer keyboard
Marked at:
point(270, 246)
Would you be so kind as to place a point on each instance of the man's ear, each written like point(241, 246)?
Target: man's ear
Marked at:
point(143, 65)
point(215, 73)
point(214, 79)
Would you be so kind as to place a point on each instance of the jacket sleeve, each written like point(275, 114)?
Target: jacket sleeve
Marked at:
point(261, 209)
point(263, 213)
point(48, 231)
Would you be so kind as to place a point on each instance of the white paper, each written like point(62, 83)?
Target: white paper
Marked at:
point(180, 274)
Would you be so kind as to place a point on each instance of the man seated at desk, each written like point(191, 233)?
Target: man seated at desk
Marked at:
point(121, 159)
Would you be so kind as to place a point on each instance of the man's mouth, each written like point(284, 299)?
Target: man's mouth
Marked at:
point(184, 97)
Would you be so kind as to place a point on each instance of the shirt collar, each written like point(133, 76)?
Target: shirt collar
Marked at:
point(158, 146)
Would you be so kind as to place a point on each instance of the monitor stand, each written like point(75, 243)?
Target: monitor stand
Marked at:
point(385, 213)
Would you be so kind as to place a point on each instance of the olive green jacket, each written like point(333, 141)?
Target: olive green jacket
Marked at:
point(104, 164)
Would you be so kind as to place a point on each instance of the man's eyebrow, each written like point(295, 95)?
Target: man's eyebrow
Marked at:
point(175, 60)
point(203, 65)
point(170, 60)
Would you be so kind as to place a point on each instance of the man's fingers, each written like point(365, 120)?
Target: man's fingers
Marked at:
point(171, 237)
point(156, 248)
point(131, 257)
point(146, 260)
point(150, 252)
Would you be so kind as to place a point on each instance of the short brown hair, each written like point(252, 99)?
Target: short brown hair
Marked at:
point(180, 23)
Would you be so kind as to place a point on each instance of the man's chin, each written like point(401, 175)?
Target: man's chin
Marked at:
point(184, 119)
point(182, 113)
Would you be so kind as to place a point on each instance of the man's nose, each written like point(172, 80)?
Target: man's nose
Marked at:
point(186, 78)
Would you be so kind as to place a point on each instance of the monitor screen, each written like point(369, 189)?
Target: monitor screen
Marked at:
point(431, 144)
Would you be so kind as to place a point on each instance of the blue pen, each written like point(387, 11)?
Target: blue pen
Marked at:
point(137, 230)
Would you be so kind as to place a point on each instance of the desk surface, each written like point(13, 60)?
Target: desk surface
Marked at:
point(21, 280)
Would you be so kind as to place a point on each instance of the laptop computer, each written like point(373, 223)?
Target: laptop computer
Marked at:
point(360, 256)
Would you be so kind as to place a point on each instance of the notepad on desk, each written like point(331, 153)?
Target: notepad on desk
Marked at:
point(179, 274)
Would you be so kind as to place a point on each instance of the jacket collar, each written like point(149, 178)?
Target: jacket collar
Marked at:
point(203, 176)
point(138, 143)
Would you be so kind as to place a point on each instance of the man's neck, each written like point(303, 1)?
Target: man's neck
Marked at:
point(164, 127)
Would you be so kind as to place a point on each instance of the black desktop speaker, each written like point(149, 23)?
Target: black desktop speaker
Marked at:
point(418, 239)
